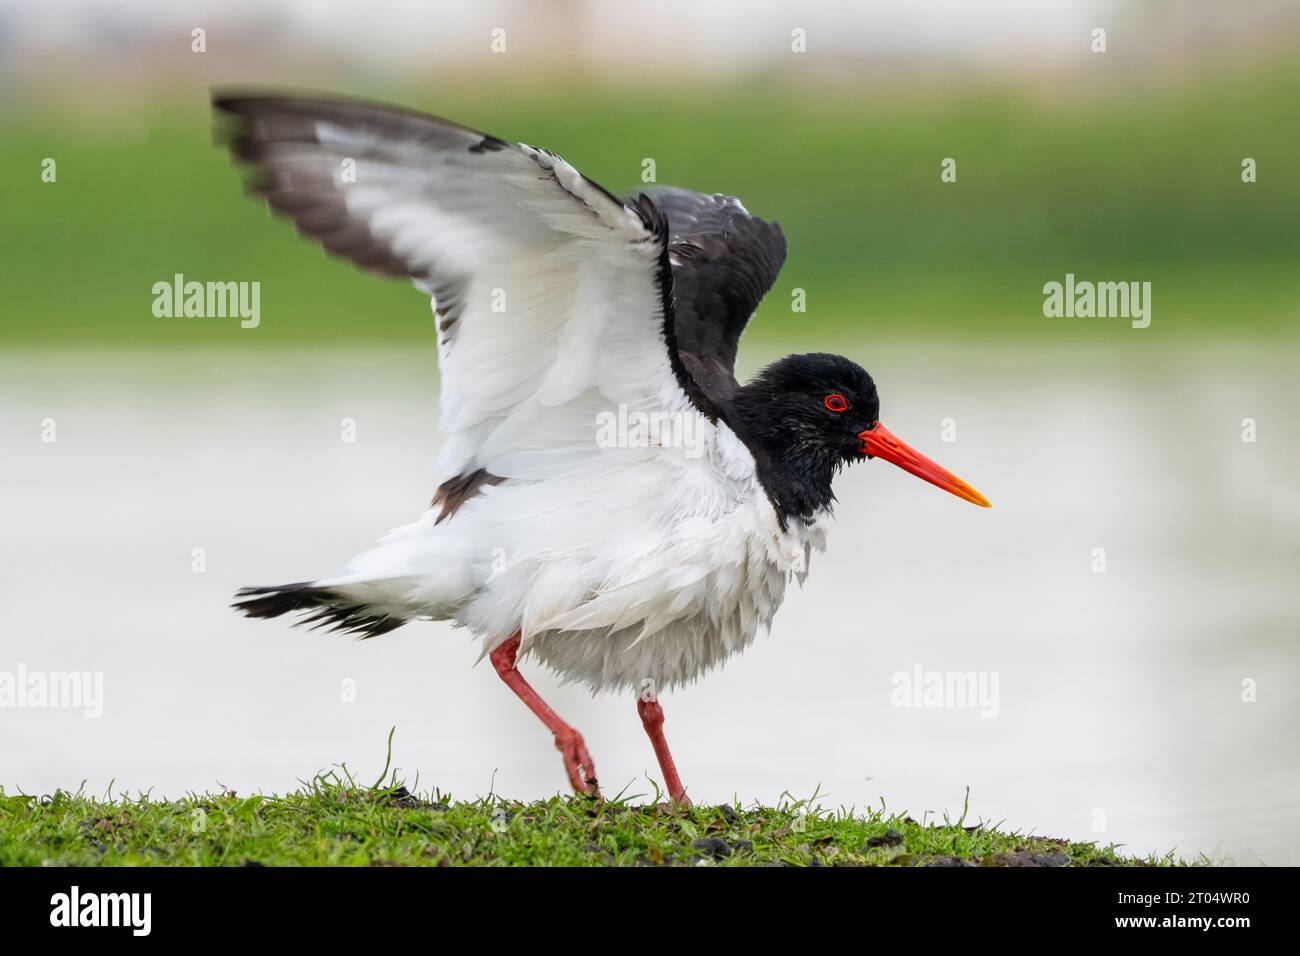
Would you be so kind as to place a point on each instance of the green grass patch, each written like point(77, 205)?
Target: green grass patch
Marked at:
point(333, 821)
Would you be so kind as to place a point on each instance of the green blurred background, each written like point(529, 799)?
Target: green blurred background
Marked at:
point(1116, 166)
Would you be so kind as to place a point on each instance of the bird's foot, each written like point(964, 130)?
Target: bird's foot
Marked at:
point(652, 717)
point(577, 762)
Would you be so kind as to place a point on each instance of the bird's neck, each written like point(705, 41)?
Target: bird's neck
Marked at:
point(795, 469)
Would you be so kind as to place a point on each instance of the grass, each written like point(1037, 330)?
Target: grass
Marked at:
point(334, 821)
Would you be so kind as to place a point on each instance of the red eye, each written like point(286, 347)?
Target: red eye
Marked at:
point(836, 402)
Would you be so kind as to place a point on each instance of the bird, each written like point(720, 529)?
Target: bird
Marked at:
point(611, 502)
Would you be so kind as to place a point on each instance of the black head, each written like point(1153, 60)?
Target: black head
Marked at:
point(812, 406)
point(806, 412)
point(809, 415)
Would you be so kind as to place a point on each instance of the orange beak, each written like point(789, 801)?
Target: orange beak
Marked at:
point(878, 442)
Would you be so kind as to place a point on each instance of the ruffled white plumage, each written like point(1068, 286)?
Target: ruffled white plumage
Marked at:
point(615, 564)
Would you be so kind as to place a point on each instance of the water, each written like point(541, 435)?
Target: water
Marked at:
point(1119, 710)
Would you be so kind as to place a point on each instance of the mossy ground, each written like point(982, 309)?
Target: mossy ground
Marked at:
point(333, 821)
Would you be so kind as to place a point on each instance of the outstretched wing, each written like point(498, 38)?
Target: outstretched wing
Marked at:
point(724, 261)
point(550, 292)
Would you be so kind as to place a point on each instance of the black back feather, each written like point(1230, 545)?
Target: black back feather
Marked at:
point(723, 262)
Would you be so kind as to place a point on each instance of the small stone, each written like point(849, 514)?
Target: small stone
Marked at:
point(712, 847)
point(888, 838)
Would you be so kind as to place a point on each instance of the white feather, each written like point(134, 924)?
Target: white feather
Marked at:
point(615, 564)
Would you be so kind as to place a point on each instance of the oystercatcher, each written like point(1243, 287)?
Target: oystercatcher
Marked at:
point(637, 562)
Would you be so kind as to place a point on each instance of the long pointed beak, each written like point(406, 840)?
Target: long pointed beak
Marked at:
point(879, 442)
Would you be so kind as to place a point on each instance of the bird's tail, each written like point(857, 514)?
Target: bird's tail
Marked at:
point(321, 607)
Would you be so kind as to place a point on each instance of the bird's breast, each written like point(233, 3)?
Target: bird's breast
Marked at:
point(677, 612)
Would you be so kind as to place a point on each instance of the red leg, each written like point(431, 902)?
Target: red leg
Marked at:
point(577, 762)
point(652, 718)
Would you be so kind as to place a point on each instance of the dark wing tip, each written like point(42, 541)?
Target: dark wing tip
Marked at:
point(254, 104)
